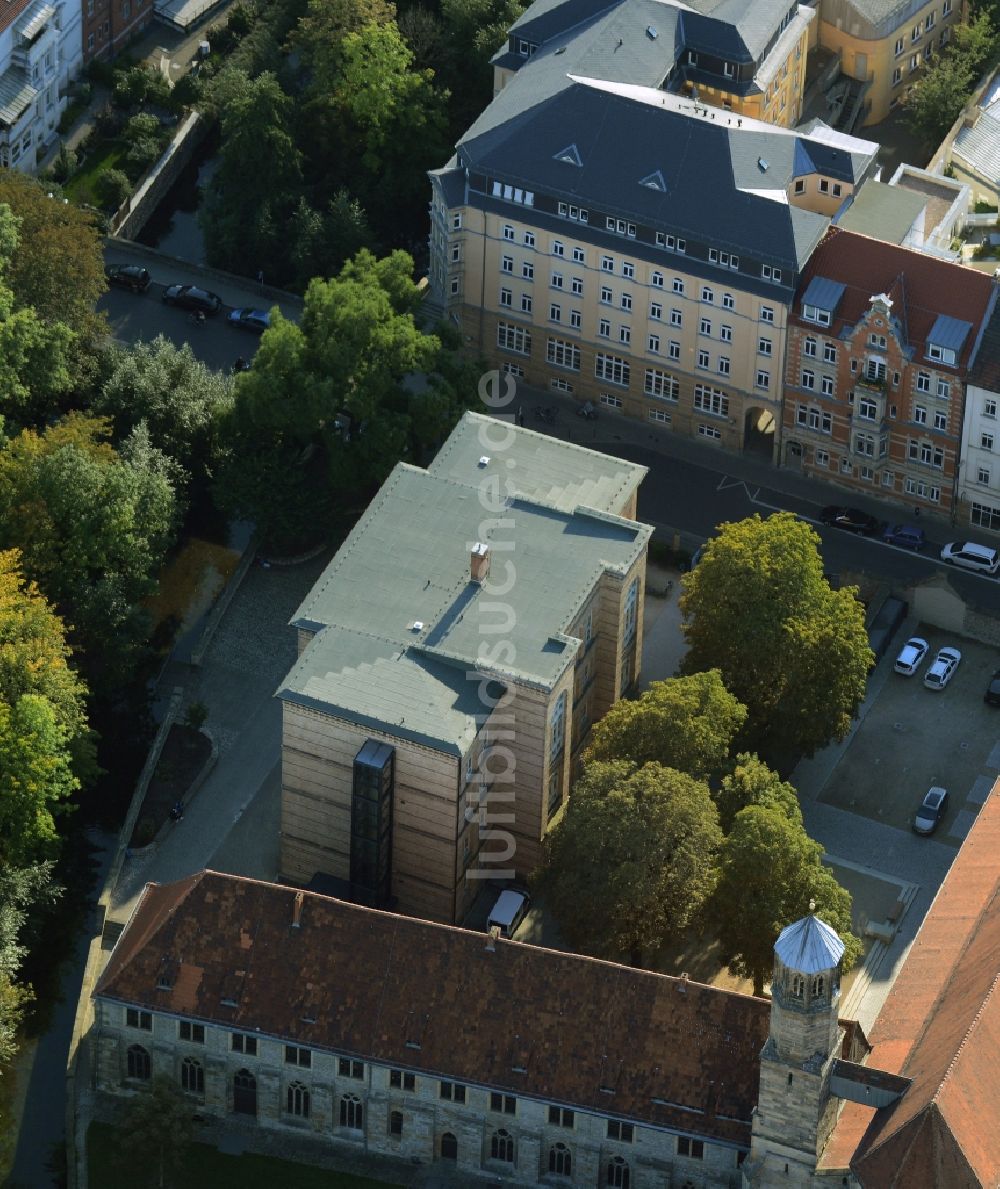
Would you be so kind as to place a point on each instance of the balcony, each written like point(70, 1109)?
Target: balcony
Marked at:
point(868, 383)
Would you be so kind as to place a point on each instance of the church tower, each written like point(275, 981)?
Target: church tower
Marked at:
point(795, 1112)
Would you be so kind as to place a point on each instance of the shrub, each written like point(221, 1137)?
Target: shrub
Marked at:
point(64, 164)
point(140, 127)
point(187, 92)
point(141, 156)
point(113, 187)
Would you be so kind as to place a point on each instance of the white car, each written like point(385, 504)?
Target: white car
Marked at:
point(943, 668)
point(911, 656)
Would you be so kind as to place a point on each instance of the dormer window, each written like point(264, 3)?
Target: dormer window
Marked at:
point(811, 313)
point(941, 354)
point(525, 48)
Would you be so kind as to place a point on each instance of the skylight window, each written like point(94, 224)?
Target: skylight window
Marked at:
point(654, 181)
point(570, 154)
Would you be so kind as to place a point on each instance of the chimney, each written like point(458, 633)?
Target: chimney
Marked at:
point(297, 910)
point(480, 567)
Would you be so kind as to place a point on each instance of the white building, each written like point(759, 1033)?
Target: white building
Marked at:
point(39, 50)
point(978, 502)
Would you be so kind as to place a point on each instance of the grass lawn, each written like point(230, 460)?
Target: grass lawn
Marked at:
point(81, 186)
point(206, 1166)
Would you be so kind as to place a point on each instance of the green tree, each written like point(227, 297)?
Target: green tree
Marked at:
point(321, 242)
point(156, 1133)
point(769, 871)
point(475, 30)
point(632, 861)
point(687, 723)
point(36, 779)
point(35, 356)
point(21, 889)
point(791, 649)
point(113, 187)
point(936, 100)
point(975, 40)
point(323, 27)
point(752, 782)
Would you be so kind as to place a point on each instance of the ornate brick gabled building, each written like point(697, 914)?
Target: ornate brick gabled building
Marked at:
point(880, 341)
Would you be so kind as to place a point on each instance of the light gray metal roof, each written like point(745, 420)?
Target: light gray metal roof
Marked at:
point(34, 20)
point(823, 293)
point(883, 212)
point(979, 146)
point(809, 946)
point(16, 94)
point(949, 332)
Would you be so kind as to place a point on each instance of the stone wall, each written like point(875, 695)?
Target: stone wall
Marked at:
point(133, 214)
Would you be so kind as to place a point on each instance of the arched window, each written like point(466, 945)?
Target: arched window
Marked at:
point(192, 1076)
point(138, 1063)
point(631, 603)
point(244, 1093)
point(449, 1147)
point(352, 1112)
point(819, 986)
point(502, 1146)
point(619, 1174)
point(798, 986)
point(297, 1100)
point(560, 1160)
point(396, 1123)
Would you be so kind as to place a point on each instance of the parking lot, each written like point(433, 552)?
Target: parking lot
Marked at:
point(914, 737)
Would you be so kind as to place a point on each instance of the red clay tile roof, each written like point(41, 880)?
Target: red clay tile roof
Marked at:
point(675, 1053)
point(920, 285)
point(940, 1026)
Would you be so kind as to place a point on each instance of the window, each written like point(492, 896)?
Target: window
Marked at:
point(943, 390)
point(659, 415)
point(628, 270)
point(513, 338)
point(528, 271)
point(575, 319)
point(452, 1091)
point(559, 385)
point(655, 311)
point(395, 1122)
point(710, 431)
point(560, 1161)
point(401, 1080)
point(693, 1148)
point(656, 280)
point(914, 62)
point(560, 1116)
point(137, 1064)
point(239, 1042)
point(676, 318)
point(348, 1068)
point(728, 301)
point(985, 516)
point(192, 1076)
point(986, 441)
point(611, 367)
point(618, 1175)
point(456, 253)
point(138, 1019)
point(506, 297)
point(864, 444)
point(455, 286)
point(502, 1146)
point(763, 379)
point(576, 286)
point(824, 186)
point(661, 384)
point(579, 256)
point(526, 303)
point(810, 417)
point(710, 400)
point(620, 1131)
point(990, 409)
point(631, 604)
point(826, 385)
point(724, 365)
point(814, 314)
point(822, 458)
point(507, 264)
point(612, 401)
point(556, 280)
point(297, 1100)
point(606, 295)
point(707, 294)
point(829, 353)
point(867, 409)
point(897, 76)
point(563, 353)
point(352, 1112)
point(920, 414)
point(875, 371)
point(529, 239)
point(800, 186)
point(653, 344)
point(607, 264)
point(504, 1104)
point(925, 453)
point(770, 273)
point(900, 45)
point(508, 231)
point(767, 314)
point(626, 301)
point(297, 1056)
point(941, 421)
point(604, 328)
point(677, 285)
point(192, 1032)
point(983, 475)
point(809, 347)
point(726, 333)
point(558, 249)
point(705, 326)
point(923, 381)
point(703, 359)
point(624, 335)
point(555, 313)
point(808, 379)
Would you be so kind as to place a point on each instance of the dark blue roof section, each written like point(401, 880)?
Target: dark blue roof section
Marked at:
point(949, 333)
point(547, 19)
point(708, 36)
point(823, 293)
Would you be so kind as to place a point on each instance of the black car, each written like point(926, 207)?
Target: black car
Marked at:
point(190, 297)
point(992, 695)
point(128, 276)
point(853, 520)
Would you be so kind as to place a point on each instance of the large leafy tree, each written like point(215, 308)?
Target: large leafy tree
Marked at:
point(93, 528)
point(633, 859)
point(752, 782)
point(474, 31)
point(791, 649)
point(21, 889)
point(769, 872)
point(687, 723)
point(156, 1134)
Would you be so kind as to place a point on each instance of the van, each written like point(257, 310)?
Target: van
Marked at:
point(971, 556)
point(508, 912)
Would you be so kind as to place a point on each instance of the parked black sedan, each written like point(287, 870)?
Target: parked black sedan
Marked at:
point(128, 276)
point(852, 520)
point(190, 297)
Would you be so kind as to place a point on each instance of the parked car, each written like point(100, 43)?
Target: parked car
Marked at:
point(911, 656)
point(931, 811)
point(906, 535)
point(971, 556)
point(256, 320)
point(190, 297)
point(992, 695)
point(853, 520)
point(128, 276)
point(942, 668)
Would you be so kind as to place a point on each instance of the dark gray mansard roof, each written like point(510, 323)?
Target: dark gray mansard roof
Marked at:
point(726, 182)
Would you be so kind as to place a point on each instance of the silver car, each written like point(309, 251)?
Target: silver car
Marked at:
point(943, 668)
point(911, 656)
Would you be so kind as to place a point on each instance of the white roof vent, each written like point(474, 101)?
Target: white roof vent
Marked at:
point(762, 165)
point(484, 460)
point(651, 32)
point(417, 625)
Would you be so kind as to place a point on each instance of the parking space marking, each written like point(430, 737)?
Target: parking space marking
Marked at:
point(993, 759)
point(980, 789)
point(962, 824)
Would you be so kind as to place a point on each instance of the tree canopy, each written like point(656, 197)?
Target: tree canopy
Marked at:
point(945, 85)
point(633, 859)
point(156, 1133)
point(791, 649)
point(687, 723)
point(752, 782)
